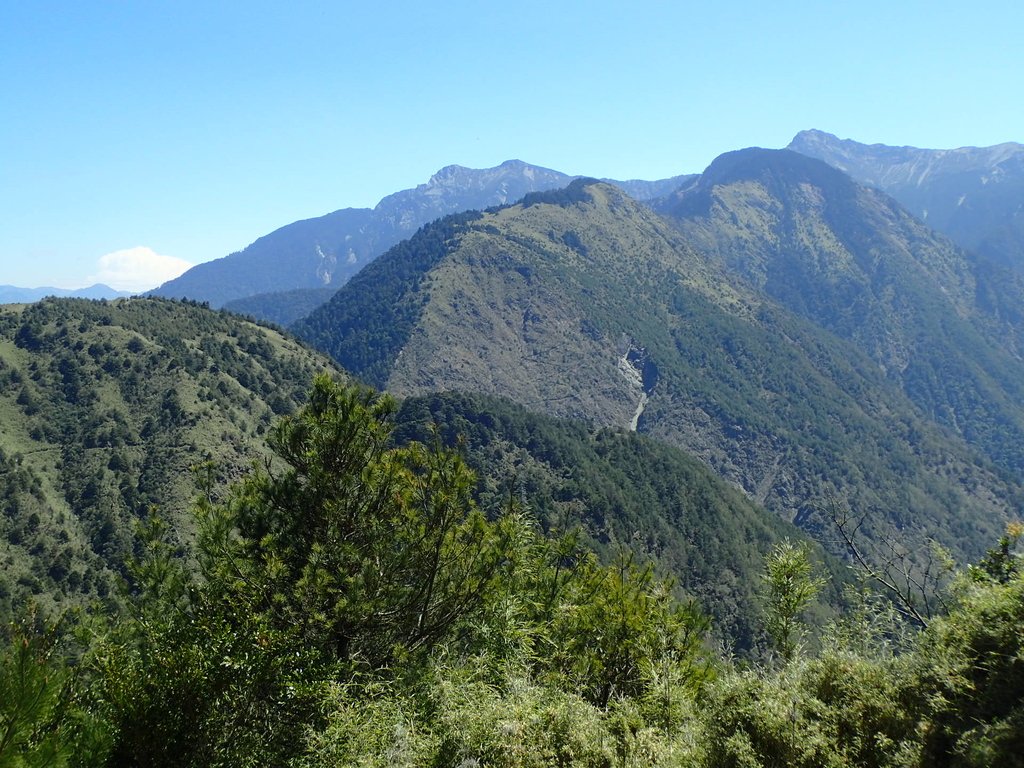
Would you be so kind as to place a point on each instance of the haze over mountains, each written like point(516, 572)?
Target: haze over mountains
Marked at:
point(972, 195)
point(328, 250)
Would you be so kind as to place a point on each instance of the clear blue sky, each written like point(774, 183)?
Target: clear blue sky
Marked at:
point(192, 128)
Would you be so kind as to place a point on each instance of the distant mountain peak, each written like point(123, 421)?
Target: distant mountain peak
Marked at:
point(779, 171)
point(328, 250)
point(11, 294)
point(513, 163)
point(456, 187)
point(447, 173)
point(742, 163)
point(459, 174)
point(814, 135)
point(814, 138)
point(971, 194)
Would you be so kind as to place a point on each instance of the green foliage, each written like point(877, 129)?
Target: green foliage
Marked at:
point(619, 634)
point(970, 674)
point(242, 692)
point(362, 548)
point(789, 589)
point(42, 722)
point(620, 490)
point(573, 194)
point(332, 592)
point(954, 697)
point(1002, 563)
point(521, 724)
point(207, 686)
point(836, 710)
point(357, 555)
point(189, 678)
point(466, 719)
point(371, 726)
point(31, 689)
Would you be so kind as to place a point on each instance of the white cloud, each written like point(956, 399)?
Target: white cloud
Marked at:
point(137, 269)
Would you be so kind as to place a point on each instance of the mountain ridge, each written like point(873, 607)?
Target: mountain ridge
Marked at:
point(12, 294)
point(583, 303)
point(852, 260)
point(974, 195)
point(115, 414)
point(106, 407)
point(326, 251)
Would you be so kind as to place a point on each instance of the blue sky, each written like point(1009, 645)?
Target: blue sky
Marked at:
point(186, 130)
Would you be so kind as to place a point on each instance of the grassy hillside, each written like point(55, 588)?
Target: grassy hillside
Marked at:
point(354, 607)
point(109, 407)
point(105, 407)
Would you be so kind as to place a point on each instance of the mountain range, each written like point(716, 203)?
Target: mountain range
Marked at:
point(605, 421)
point(804, 335)
point(584, 303)
point(941, 322)
point(326, 251)
point(10, 294)
point(112, 412)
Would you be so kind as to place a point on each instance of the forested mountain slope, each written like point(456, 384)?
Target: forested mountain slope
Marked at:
point(281, 307)
point(945, 328)
point(112, 411)
point(622, 489)
point(975, 195)
point(583, 303)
